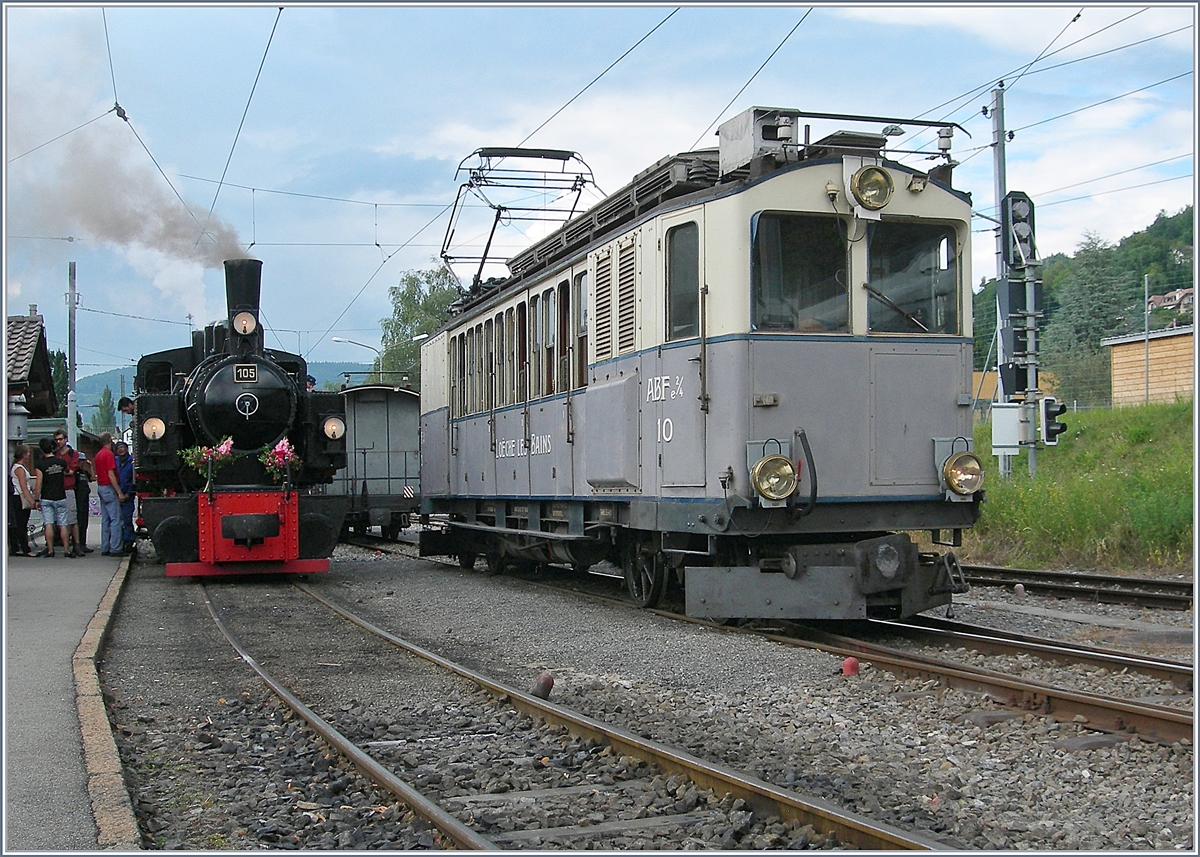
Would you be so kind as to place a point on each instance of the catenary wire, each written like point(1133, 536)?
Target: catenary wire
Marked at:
point(965, 98)
point(1099, 103)
point(135, 317)
point(597, 78)
point(1108, 176)
point(108, 47)
point(60, 136)
point(778, 48)
point(1036, 59)
point(238, 133)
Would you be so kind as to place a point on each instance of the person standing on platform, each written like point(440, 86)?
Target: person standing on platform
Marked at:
point(21, 501)
point(125, 483)
point(63, 450)
point(83, 476)
point(52, 495)
point(111, 496)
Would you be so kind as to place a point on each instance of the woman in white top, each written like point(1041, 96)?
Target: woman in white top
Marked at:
point(22, 500)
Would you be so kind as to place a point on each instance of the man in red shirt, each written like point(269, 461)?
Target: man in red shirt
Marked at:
point(110, 499)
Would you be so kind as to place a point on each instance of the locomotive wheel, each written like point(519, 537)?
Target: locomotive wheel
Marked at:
point(645, 577)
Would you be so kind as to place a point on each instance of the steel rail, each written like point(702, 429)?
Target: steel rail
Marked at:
point(459, 833)
point(763, 797)
point(1156, 722)
point(1101, 588)
point(994, 641)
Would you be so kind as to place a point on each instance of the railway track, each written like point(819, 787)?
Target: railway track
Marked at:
point(1149, 719)
point(1100, 588)
point(738, 794)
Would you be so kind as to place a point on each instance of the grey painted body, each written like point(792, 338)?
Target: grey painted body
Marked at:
point(383, 457)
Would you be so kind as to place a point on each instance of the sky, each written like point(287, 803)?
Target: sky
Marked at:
point(327, 140)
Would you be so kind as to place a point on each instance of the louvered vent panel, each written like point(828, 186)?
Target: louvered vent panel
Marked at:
point(603, 307)
point(626, 299)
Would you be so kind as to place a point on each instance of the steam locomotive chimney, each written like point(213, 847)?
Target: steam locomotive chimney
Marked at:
point(243, 282)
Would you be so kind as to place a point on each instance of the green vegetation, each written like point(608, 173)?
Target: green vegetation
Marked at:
point(1115, 494)
point(420, 305)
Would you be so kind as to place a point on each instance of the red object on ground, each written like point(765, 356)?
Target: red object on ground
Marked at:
point(850, 666)
point(541, 687)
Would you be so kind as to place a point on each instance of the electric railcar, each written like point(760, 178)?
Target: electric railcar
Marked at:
point(236, 516)
point(748, 371)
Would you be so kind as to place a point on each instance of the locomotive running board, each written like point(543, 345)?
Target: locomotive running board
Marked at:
point(202, 569)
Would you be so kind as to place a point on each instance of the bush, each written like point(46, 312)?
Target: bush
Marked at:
point(1115, 494)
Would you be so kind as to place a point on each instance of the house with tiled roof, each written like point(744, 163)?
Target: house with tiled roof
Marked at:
point(30, 383)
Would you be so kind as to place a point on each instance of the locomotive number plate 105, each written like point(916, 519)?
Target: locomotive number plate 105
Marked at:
point(246, 373)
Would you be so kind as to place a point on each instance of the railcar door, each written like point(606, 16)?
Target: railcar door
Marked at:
point(674, 395)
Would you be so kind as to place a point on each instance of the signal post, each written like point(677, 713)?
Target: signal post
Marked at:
point(1019, 300)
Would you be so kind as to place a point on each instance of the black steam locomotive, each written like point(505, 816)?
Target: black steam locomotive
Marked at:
point(230, 445)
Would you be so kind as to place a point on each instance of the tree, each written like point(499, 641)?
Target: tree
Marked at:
point(58, 373)
point(420, 305)
point(1093, 302)
point(105, 417)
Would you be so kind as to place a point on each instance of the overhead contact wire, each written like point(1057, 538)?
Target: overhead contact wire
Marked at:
point(238, 134)
point(752, 77)
point(60, 136)
point(600, 75)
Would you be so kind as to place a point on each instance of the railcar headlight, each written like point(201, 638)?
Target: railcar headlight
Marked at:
point(963, 473)
point(872, 187)
point(245, 323)
point(774, 476)
point(334, 428)
point(154, 428)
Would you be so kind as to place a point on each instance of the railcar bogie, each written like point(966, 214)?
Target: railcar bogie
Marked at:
point(658, 383)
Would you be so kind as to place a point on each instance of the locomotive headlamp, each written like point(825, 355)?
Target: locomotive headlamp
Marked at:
point(334, 428)
point(245, 323)
point(154, 428)
point(774, 476)
point(872, 187)
point(963, 473)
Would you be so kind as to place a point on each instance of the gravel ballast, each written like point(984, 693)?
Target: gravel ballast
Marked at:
point(212, 762)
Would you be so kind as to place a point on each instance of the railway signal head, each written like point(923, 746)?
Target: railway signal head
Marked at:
point(1016, 228)
point(1051, 428)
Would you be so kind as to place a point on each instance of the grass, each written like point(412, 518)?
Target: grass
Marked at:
point(1115, 494)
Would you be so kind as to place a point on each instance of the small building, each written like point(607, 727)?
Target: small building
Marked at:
point(29, 382)
point(1167, 375)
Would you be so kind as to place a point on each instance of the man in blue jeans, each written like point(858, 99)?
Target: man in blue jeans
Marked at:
point(111, 496)
point(125, 483)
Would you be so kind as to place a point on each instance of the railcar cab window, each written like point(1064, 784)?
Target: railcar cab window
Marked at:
point(912, 278)
point(683, 281)
point(798, 274)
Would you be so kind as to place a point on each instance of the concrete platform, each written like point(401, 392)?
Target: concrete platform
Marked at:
point(63, 789)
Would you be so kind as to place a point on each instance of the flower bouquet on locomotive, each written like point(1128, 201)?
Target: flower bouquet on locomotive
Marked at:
point(232, 449)
point(659, 382)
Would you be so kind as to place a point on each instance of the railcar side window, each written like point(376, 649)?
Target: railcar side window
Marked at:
point(912, 279)
point(549, 341)
point(798, 274)
point(683, 281)
point(581, 330)
point(563, 372)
